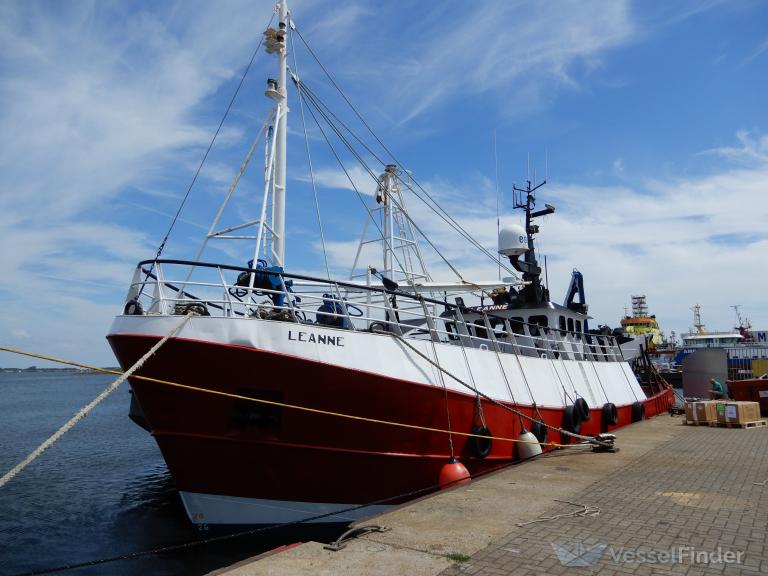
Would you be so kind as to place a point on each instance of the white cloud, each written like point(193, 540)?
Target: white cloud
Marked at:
point(753, 149)
point(526, 49)
point(618, 167)
point(336, 179)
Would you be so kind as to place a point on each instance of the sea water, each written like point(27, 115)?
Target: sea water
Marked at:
point(101, 491)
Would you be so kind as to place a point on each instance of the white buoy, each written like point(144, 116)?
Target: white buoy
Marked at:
point(529, 445)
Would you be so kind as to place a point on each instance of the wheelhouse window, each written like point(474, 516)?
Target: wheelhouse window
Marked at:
point(480, 330)
point(570, 324)
point(517, 325)
point(561, 322)
point(534, 322)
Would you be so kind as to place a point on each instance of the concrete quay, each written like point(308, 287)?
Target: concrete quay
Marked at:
point(675, 499)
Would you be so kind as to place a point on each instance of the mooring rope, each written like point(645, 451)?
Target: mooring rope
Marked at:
point(32, 456)
point(290, 406)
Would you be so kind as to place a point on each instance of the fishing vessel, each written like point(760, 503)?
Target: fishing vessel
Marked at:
point(285, 397)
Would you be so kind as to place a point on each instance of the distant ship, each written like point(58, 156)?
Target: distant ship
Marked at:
point(641, 323)
point(747, 349)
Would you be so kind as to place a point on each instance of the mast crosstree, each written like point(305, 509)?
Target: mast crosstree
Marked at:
point(401, 256)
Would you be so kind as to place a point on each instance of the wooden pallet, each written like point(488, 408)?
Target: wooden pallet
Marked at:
point(756, 424)
point(696, 423)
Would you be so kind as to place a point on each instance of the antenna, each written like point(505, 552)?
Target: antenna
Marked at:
point(496, 160)
point(529, 167)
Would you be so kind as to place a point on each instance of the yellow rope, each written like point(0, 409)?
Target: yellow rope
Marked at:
point(281, 404)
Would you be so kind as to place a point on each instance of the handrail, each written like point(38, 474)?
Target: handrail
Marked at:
point(525, 338)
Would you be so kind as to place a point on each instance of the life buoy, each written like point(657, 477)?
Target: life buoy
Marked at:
point(581, 405)
point(572, 419)
point(540, 431)
point(610, 416)
point(480, 447)
point(638, 411)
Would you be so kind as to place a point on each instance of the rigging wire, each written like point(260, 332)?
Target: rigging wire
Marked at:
point(297, 82)
point(427, 200)
point(310, 100)
point(309, 159)
point(326, 111)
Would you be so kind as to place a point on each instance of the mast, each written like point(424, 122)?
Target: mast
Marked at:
point(533, 293)
point(700, 329)
point(278, 209)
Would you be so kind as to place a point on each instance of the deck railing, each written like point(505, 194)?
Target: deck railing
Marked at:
point(171, 287)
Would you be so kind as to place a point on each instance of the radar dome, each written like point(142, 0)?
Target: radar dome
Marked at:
point(512, 240)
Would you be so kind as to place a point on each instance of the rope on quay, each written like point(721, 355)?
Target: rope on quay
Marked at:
point(292, 406)
point(586, 511)
point(8, 476)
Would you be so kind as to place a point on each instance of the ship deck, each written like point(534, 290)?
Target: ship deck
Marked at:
point(670, 487)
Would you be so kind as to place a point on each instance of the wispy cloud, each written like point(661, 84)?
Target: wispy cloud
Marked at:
point(97, 99)
point(753, 149)
point(761, 49)
point(356, 177)
point(499, 44)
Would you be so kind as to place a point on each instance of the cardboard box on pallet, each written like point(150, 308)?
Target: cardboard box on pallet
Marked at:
point(720, 412)
point(742, 412)
point(706, 411)
point(690, 413)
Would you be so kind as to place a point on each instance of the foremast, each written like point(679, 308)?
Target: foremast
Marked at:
point(281, 133)
point(270, 235)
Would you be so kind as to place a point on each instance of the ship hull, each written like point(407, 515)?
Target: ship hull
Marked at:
point(236, 461)
point(753, 390)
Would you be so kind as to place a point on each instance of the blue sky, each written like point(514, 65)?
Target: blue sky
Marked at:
point(651, 116)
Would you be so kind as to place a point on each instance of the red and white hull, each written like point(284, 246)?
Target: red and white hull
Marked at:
point(240, 462)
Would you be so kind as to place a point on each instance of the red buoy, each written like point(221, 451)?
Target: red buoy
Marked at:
point(454, 473)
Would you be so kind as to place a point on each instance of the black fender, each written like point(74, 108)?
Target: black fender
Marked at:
point(638, 412)
point(133, 308)
point(540, 431)
point(572, 419)
point(581, 405)
point(610, 416)
point(480, 447)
